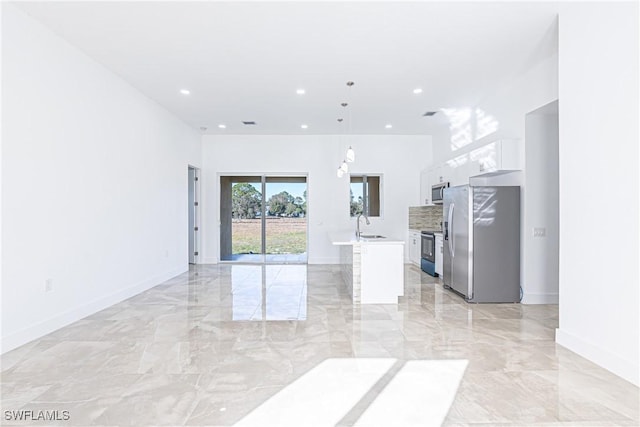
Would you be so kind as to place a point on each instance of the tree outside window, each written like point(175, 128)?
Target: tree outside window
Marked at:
point(365, 195)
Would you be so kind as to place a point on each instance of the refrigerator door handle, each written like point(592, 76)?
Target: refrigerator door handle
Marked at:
point(451, 236)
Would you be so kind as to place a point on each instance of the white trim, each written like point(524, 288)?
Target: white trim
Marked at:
point(629, 370)
point(40, 329)
point(540, 299)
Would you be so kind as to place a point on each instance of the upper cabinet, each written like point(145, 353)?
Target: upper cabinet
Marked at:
point(435, 174)
point(491, 157)
point(498, 155)
point(425, 187)
point(429, 177)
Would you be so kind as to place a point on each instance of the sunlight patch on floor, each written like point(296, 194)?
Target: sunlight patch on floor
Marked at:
point(419, 394)
point(321, 397)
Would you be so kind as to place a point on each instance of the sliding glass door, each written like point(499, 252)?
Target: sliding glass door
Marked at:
point(263, 219)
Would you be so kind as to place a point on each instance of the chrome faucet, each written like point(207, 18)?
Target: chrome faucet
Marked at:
point(358, 224)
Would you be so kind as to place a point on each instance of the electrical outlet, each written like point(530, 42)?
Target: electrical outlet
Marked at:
point(539, 232)
point(48, 285)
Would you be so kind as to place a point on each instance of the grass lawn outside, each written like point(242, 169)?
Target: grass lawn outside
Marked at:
point(284, 235)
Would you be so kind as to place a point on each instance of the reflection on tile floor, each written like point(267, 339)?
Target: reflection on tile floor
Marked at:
point(222, 342)
point(269, 292)
point(270, 258)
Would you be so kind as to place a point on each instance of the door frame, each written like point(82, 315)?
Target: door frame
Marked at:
point(263, 177)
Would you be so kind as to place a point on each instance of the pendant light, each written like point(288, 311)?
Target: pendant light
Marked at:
point(351, 155)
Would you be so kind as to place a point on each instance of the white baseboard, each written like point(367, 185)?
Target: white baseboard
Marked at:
point(629, 370)
point(528, 298)
point(40, 329)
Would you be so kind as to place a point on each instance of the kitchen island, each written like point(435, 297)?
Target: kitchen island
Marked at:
point(372, 268)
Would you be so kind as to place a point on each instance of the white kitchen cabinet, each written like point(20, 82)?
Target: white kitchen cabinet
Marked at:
point(491, 157)
point(414, 247)
point(455, 171)
point(435, 176)
point(483, 159)
point(439, 253)
point(381, 273)
point(498, 155)
point(446, 171)
point(425, 187)
point(428, 178)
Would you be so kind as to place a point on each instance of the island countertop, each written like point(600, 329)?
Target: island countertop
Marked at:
point(346, 238)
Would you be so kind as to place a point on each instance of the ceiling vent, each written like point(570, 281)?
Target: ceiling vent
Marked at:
point(249, 123)
point(429, 114)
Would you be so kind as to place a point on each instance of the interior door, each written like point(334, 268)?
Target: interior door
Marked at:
point(193, 214)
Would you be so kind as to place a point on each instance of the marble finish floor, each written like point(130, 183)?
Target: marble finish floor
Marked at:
point(270, 258)
point(271, 345)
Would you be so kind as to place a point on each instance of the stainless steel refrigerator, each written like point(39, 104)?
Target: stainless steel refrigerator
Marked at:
point(482, 242)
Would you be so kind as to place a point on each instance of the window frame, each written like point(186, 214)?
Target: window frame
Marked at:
point(366, 202)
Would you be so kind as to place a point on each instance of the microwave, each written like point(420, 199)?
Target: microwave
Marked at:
point(437, 192)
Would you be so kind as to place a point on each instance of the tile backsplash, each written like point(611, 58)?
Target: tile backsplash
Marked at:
point(425, 217)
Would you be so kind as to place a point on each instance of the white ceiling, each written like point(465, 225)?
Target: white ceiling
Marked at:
point(245, 60)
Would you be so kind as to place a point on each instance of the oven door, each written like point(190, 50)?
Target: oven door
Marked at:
point(428, 251)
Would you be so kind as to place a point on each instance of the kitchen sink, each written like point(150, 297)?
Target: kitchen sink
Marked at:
point(372, 236)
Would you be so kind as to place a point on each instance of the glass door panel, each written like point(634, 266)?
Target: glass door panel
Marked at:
point(286, 219)
point(241, 206)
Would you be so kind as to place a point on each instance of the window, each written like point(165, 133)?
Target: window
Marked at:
point(365, 195)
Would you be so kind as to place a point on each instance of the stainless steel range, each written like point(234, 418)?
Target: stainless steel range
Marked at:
point(428, 253)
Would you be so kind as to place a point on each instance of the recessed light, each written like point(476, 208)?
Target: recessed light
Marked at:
point(388, 126)
point(304, 126)
point(417, 90)
point(222, 126)
point(300, 91)
point(185, 91)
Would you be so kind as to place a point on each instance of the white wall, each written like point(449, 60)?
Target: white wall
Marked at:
point(533, 88)
point(1, 184)
point(541, 201)
point(599, 296)
point(94, 184)
point(398, 158)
